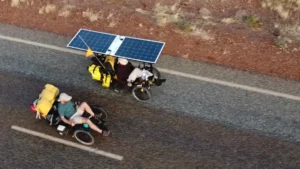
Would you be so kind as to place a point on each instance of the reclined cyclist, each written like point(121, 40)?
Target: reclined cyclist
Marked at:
point(123, 70)
point(67, 110)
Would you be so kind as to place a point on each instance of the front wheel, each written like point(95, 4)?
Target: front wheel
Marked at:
point(141, 93)
point(100, 113)
point(84, 137)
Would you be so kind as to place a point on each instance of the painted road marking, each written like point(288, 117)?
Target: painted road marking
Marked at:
point(230, 84)
point(167, 71)
point(68, 143)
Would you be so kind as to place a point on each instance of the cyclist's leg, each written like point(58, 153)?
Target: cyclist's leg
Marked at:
point(80, 120)
point(93, 126)
point(85, 107)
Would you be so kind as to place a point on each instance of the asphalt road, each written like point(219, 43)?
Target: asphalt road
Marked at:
point(146, 138)
point(189, 124)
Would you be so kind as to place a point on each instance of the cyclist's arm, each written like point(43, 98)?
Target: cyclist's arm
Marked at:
point(65, 120)
point(62, 117)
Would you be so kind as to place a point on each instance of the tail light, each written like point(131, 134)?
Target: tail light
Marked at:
point(32, 108)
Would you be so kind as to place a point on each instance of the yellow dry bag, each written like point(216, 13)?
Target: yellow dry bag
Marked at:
point(46, 99)
point(109, 64)
point(95, 72)
point(106, 81)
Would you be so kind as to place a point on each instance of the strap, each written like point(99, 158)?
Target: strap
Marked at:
point(51, 119)
point(38, 115)
point(94, 68)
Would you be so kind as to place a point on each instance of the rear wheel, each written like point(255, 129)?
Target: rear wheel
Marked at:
point(156, 74)
point(84, 137)
point(141, 93)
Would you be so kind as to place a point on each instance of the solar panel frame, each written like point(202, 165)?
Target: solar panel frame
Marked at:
point(114, 53)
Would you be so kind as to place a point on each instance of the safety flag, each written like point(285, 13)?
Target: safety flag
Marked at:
point(89, 52)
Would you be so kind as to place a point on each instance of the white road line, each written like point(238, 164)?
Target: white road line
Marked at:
point(41, 45)
point(68, 143)
point(229, 84)
point(171, 72)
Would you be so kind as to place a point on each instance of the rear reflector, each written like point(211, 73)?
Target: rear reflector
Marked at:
point(32, 108)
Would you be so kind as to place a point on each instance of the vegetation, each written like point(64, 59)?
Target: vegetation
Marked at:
point(283, 7)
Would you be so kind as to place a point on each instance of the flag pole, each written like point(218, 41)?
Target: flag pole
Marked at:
point(84, 42)
point(94, 54)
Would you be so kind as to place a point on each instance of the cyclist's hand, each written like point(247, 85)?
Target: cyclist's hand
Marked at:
point(72, 123)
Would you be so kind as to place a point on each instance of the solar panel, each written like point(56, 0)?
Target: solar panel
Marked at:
point(116, 45)
point(99, 42)
point(140, 49)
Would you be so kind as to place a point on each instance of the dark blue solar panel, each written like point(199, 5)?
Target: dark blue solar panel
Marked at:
point(130, 48)
point(139, 49)
point(99, 42)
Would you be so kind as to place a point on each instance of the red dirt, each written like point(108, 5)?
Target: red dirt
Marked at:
point(235, 45)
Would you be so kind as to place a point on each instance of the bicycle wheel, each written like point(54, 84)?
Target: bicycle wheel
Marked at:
point(84, 137)
point(100, 113)
point(141, 93)
point(156, 74)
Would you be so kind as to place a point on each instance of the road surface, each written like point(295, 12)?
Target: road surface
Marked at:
point(188, 124)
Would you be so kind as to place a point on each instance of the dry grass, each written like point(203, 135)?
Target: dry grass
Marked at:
point(17, 3)
point(239, 16)
point(166, 14)
point(29, 2)
point(291, 30)
point(202, 33)
point(112, 21)
point(66, 10)
point(283, 42)
point(205, 13)
point(252, 21)
point(229, 20)
point(110, 15)
point(283, 7)
point(49, 8)
point(115, 1)
point(91, 15)
point(193, 30)
point(142, 11)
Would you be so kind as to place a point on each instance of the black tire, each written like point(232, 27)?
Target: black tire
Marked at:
point(141, 94)
point(156, 74)
point(84, 137)
point(100, 113)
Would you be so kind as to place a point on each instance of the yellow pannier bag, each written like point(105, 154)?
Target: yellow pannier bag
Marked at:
point(47, 99)
point(95, 72)
point(106, 81)
point(110, 63)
